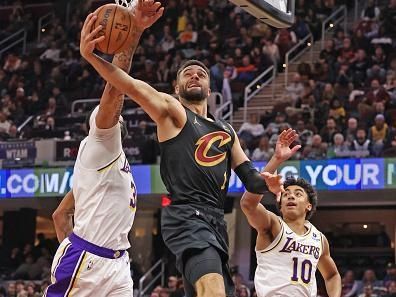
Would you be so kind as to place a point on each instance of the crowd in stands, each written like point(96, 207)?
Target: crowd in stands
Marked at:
point(344, 105)
point(46, 80)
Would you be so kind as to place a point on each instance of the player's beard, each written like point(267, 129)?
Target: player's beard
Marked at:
point(193, 95)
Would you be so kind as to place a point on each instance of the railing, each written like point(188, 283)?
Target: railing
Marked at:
point(225, 111)
point(13, 40)
point(43, 22)
point(256, 86)
point(27, 121)
point(142, 288)
point(337, 17)
point(82, 101)
point(298, 50)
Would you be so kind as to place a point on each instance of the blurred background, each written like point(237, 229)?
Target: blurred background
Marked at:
point(331, 76)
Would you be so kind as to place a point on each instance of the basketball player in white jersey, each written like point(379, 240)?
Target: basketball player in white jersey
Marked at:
point(92, 259)
point(289, 248)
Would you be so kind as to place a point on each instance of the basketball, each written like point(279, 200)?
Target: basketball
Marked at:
point(117, 23)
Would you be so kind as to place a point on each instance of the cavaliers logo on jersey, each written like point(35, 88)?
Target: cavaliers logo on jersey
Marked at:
point(205, 143)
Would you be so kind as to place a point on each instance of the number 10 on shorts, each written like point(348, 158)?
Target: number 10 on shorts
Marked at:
point(301, 270)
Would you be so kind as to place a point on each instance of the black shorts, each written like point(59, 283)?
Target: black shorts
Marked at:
point(198, 263)
point(188, 230)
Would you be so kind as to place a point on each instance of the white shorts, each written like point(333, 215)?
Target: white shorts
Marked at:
point(79, 273)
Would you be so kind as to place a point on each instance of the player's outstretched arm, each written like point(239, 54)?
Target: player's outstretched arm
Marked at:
point(257, 215)
point(157, 105)
point(329, 271)
point(250, 177)
point(62, 217)
point(112, 100)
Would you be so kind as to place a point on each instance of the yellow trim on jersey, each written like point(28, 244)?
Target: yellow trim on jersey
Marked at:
point(279, 240)
point(76, 274)
point(110, 164)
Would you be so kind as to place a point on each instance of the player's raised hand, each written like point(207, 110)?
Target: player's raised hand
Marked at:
point(146, 13)
point(283, 151)
point(274, 183)
point(89, 38)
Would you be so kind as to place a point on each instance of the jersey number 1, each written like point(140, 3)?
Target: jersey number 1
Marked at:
point(306, 265)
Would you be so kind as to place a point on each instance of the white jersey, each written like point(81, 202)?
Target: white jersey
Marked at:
point(287, 266)
point(105, 195)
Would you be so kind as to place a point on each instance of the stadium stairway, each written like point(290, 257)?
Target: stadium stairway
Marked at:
point(265, 100)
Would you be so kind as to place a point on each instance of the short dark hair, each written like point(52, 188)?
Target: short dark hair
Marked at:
point(308, 188)
point(192, 62)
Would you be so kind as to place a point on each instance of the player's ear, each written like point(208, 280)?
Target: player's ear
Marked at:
point(209, 92)
point(177, 89)
point(309, 207)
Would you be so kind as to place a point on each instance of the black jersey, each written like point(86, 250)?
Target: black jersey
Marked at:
point(196, 164)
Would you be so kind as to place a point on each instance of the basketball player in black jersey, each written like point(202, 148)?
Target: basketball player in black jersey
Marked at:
point(197, 155)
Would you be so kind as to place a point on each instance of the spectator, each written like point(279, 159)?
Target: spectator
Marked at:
point(351, 129)
point(251, 130)
point(264, 151)
point(11, 290)
point(271, 50)
point(378, 135)
point(12, 63)
point(327, 133)
point(52, 54)
point(339, 149)
point(368, 292)
point(369, 283)
point(4, 123)
point(390, 274)
point(316, 150)
point(188, 35)
point(391, 289)
point(337, 111)
point(371, 11)
point(390, 144)
point(349, 284)
point(361, 146)
point(304, 134)
point(247, 71)
point(295, 89)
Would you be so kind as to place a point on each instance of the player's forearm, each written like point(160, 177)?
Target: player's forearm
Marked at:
point(63, 225)
point(112, 96)
point(250, 201)
point(116, 77)
point(123, 59)
point(333, 286)
point(272, 165)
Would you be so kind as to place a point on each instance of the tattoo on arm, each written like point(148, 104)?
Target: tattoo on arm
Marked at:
point(123, 60)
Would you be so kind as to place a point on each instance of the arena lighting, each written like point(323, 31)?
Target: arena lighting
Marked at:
point(331, 25)
point(276, 13)
point(309, 44)
point(365, 226)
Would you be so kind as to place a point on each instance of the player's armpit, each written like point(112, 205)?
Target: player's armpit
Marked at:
point(62, 217)
point(329, 271)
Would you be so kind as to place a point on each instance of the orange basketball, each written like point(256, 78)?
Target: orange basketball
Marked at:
point(117, 24)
